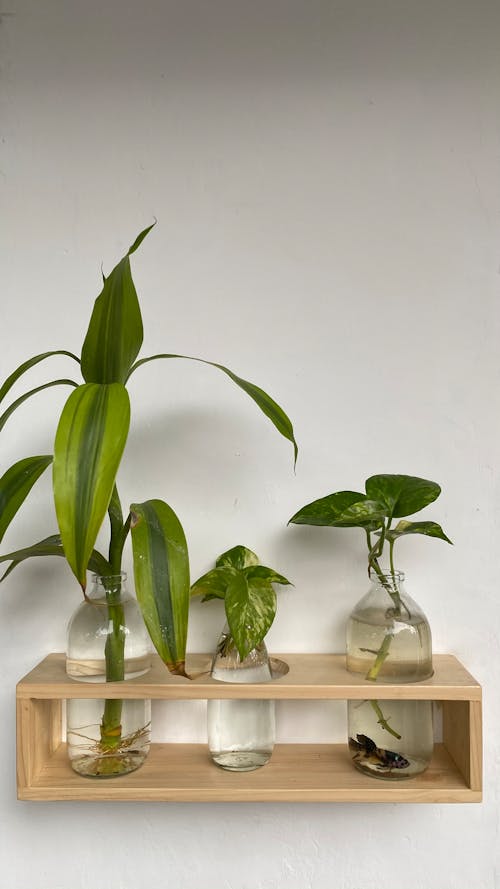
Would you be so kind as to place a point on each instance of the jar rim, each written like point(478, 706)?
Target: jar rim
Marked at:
point(386, 574)
point(122, 575)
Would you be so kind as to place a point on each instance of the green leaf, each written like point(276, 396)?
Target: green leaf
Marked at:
point(26, 365)
point(16, 484)
point(214, 583)
point(250, 610)
point(114, 336)
point(402, 495)
point(329, 510)
point(237, 557)
point(15, 404)
point(52, 546)
point(368, 514)
point(89, 444)
point(161, 570)
point(429, 529)
point(260, 572)
point(267, 405)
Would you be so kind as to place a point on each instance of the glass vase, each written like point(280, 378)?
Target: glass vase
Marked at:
point(107, 642)
point(389, 640)
point(241, 733)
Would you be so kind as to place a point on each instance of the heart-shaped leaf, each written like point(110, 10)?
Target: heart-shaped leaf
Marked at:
point(213, 585)
point(238, 557)
point(260, 572)
point(402, 495)
point(89, 444)
point(344, 509)
point(429, 529)
point(250, 610)
point(161, 571)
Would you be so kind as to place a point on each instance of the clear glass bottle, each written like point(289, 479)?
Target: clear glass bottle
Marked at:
point(107, 641)
point(389, 640)
point(241, 733)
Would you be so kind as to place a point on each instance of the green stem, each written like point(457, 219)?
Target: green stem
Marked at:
point(114, 653)
point(383, 721)
point(380, 658)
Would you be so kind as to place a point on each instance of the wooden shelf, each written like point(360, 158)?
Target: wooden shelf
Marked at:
point(296, 772)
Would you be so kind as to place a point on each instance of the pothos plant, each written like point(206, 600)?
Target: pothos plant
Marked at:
point(89, 444)
point(386, 499)
point(249, 597)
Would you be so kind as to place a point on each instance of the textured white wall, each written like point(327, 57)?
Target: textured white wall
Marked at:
point(326, 181)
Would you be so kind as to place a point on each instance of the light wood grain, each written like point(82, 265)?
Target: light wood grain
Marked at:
point(296, 773)
point(310, 676)
point(303, 772)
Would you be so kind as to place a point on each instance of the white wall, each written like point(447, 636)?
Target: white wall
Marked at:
point(326, 181)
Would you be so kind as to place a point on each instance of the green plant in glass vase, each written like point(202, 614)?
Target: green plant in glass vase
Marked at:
point(89, 444)
point(388, 636)
point(241, 732)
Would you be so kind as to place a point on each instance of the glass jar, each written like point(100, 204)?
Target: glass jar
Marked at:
point(241, 733)
point(107, 642)
point(389, 640)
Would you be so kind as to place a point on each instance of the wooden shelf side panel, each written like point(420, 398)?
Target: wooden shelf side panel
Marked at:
point(39, 729)
point(462, 735)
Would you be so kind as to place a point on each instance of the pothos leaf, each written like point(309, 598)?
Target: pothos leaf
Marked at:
point(214, 583)
point(429, 529)
point(344, 509)
point(250, 610)
point(260, 572)
point(237, 557)
point(401, 495)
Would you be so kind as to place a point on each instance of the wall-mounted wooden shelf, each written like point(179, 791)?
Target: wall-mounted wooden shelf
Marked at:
point(296, 772)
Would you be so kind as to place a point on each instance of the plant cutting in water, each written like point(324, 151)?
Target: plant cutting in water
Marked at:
point(249, 597)
point(386, 498)
point(241, 733)
point(89, 444)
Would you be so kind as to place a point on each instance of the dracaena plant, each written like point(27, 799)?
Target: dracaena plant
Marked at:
point(89, 444)
point(249, 597)
point(386, 499)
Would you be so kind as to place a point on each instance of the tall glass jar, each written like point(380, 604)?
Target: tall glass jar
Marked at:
point(241, 733)
point(389, 640)
point(107, 642)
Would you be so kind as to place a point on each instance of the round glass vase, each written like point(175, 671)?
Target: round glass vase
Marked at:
point(389, 640)
point(107, 642)
point(241, 733)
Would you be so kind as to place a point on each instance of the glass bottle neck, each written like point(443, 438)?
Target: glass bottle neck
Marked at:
point(111, 587)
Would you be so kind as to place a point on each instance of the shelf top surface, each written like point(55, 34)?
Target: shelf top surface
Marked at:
point(309, 677)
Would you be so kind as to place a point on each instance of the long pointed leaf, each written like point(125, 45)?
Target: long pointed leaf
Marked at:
point(16, 484)
point(114, 335)
point(89, 444)
point(267, 405)
point(161, 571)
point(51, 546)
point(26, 365)
point(15, 404)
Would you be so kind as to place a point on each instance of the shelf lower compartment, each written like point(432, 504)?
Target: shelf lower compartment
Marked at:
point(296, 773)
